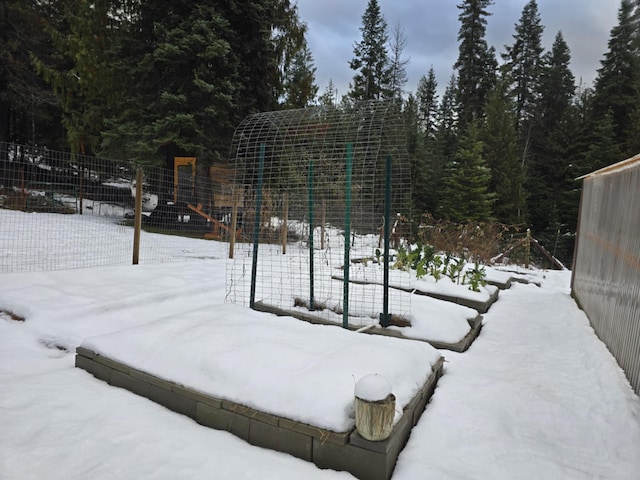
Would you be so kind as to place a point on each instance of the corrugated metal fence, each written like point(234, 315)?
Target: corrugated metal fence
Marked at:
point(606, 276)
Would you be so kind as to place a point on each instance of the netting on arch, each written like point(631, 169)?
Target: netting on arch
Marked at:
point(313, 187)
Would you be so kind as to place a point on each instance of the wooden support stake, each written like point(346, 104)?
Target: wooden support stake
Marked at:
point(23, 192)
point(550, 257)
point(138, 218)
point(285, 222)
point(234, 222)
point(323, 221)
point(527, 247)
point(81, 181)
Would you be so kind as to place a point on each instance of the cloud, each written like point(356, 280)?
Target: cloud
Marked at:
point(432, 28)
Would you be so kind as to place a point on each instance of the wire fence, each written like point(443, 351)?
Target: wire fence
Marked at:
point(63, 211)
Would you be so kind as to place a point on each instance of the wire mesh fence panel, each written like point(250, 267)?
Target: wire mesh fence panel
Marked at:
point(315, 184)
point(61, 211)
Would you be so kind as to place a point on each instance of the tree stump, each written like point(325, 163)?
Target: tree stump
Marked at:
point(374, 419)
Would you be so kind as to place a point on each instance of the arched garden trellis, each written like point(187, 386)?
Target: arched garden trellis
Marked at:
point(321, 190)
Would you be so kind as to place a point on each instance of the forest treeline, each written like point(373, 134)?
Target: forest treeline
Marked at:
point(147, 80)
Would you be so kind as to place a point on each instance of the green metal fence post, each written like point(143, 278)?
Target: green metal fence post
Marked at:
point(347, 237)
point(256, 228)
point(385, 318)
point(311, 279)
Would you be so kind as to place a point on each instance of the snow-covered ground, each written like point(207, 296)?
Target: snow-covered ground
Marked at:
point(536, 396)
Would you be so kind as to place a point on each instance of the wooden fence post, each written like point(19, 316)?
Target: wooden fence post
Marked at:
point(323, 221)
point(138, 218)
point(285, 222)
point(527, 248)
point(234, 221)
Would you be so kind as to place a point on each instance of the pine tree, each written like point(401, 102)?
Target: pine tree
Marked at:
point(605, 150)
point(548, 166)
point(617, 87)
point(427, 165)
point(410, 114)
point(192, 71)
point(29, 112)
point(523, 63)
point(445, 145)
point(557, 83)
point(177, 111)
point(574, 136)
point(371, 61)
point(427, 98)
point(289, 46)
point(466, 194)
point(299, 80)
point(476, 64)
point(398, 65)
point(501, 152)
point(579, 130)
point(329, 97)
point(84, 81)
point(447, 119)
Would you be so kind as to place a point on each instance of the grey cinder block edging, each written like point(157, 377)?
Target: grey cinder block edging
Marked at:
point(462, 345)
point(327, 449)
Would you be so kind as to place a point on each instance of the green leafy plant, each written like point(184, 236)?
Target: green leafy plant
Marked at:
point(435, 268)
point(454, 269)
point(401, 259)
point(424, 258)
point(476, 277)
point(419, 259)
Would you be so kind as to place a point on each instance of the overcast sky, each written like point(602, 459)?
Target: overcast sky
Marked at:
point(431, 28)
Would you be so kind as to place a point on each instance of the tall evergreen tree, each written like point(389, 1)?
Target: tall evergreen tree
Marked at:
point(177, 111)
point(523, 63)
point(299, 84)
point(410, 114)
point(427, 98)
point(329, 97)
point(466, 193)
point(548, 167)
point(557, 83)
point(29, 112)
point(617, 87)
point(605, 149)
point(192, 71)
point(398, 64)
point(445, 146)
point(428, 171)
point(371, 60)
point(288, 44)
point(447, 119)
point(83, 33)
point(476, 64)
point(264, 36)
point(579, 132)
point(498, 134)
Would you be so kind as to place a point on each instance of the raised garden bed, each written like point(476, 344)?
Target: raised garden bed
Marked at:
point(398, 331)
point(203, 366)
point(442, 289)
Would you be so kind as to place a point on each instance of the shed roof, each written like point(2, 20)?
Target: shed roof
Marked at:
point(615, 168)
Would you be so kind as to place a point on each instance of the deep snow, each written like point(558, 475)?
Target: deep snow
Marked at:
point(536, 396)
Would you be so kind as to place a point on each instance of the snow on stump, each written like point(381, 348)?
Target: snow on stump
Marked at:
point(374, 407)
